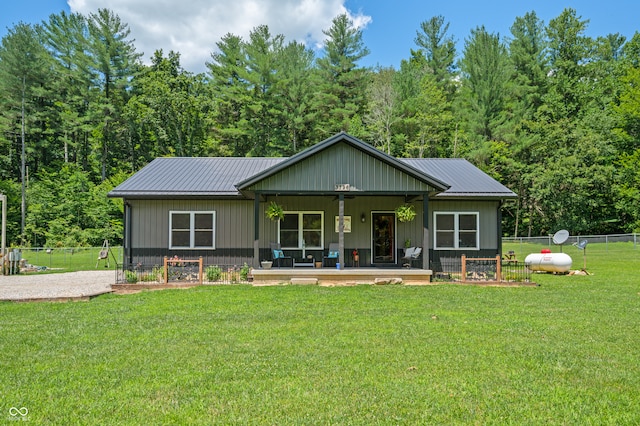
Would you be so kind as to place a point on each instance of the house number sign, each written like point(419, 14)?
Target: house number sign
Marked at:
point(342, 187)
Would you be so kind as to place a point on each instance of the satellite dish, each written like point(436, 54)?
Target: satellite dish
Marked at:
point(561, 237)
point(582, 244)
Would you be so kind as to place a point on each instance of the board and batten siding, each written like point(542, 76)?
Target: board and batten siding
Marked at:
point(488, 211)
point(342, 164)
point(233, 229)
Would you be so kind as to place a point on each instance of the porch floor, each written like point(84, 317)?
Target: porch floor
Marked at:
point(347, 276)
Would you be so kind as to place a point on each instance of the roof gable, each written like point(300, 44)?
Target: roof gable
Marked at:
point(345, 162)
point(341, 159)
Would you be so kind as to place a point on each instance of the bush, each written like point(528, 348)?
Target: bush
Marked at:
point(244, 272)
point(131, 277)
point(213, 273)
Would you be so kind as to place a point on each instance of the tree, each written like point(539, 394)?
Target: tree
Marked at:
point(486, 71)
point(343, 92)
point(114, 62)
point(166, 112)
point(439, 50)
point(568, 53)
point(383, 111)
point(261, 74)
point(23, 72)
point(230, 92)
point(65, 36)
point(295, 90)
point(433, 121)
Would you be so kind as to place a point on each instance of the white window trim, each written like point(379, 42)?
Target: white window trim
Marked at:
point(192, 214)
point(300, 229)
point(456, 231)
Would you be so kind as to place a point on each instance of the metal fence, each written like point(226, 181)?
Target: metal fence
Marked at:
point(575, 239)
point(34, 259)
point(462, 269)
point(187, 273)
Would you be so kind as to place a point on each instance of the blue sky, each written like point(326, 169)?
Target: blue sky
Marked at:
point(389, 27)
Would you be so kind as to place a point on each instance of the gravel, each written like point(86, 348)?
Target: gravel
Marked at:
point(63, 286)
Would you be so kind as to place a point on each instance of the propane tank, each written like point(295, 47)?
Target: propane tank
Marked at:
point(549, 262)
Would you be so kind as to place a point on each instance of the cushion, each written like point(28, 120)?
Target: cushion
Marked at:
point(278, 254)
point(333, 254)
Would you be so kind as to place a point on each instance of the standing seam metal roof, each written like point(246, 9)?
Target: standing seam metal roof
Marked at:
point(217, 176)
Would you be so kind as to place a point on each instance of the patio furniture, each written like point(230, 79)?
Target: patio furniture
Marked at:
point(278, 255)
point(333, 254)
point(411, 254)
point(305, 261)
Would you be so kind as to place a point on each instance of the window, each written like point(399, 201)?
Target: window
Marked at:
point(456, 230)
point(189, 230)
point(302, 229)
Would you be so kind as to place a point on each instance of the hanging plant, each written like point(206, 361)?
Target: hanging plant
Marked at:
point(275, 211)
point(405, 213)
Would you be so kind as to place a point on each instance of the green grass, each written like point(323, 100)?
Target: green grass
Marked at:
point(563, 353)
point(70, 260)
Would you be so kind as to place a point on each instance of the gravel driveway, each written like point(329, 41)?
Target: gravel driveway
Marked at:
point(64, 286)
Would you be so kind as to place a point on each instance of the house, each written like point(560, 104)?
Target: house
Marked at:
point(341, 190)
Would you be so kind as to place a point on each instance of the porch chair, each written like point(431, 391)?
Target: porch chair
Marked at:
point(278, 255)
point(333, 253)
point(411, 254)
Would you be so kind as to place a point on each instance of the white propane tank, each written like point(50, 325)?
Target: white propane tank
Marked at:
point(548, 262)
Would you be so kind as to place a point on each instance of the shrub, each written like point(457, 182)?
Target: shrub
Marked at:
point(244, 272)
point(213, 273)
point(131, 277)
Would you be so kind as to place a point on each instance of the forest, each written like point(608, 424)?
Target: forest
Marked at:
point(551, 113)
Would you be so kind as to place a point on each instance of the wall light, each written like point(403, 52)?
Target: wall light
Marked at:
point(363, 218)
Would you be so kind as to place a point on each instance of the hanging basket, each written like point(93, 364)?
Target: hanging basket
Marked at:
point(406, 213)
point(275, 211)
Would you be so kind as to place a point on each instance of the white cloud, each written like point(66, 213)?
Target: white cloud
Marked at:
point(193, 27)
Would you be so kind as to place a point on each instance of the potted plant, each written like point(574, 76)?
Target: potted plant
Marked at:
point(356, 256)
point(266, 264)
point(275, 211)
point(405, 213)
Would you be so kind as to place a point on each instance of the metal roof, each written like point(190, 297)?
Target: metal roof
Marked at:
point(343, 137)
point(188, 177)
point(466, 180)
point(180, 177)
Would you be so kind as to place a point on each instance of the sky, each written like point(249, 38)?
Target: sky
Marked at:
point(193, 27)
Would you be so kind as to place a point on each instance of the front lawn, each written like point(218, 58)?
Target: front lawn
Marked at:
point(565, 352)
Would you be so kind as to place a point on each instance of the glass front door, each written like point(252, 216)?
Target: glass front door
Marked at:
point(384, 237)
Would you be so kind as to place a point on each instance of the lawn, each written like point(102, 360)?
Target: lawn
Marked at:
point(563, 353)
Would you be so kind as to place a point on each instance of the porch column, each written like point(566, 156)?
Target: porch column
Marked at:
point(256, 230)
point(425, 231)
point(341, 230)
point(499, 215)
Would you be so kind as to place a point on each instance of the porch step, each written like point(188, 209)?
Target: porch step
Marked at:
point(304, 281)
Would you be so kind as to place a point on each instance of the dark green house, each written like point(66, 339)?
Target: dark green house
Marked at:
point(341, 190)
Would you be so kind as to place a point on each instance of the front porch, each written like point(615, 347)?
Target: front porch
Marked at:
point(336, 277)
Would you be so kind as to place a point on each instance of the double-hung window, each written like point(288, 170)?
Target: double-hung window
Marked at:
point(457, 230)
point(302, 230)
point(192, 230)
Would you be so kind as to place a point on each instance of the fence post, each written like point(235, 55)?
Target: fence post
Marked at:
point(464, 267)
point(200, 269)
point(166, 272)
point(498, 268)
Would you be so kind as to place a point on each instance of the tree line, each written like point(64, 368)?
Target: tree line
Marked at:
point(548, 111)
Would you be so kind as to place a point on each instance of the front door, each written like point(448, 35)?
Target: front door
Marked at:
point(384, 237)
